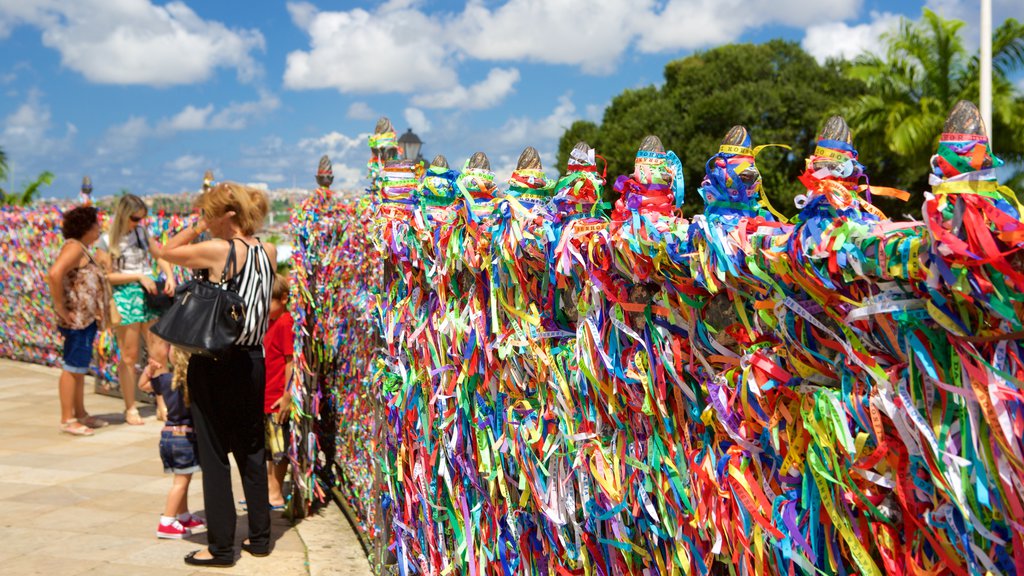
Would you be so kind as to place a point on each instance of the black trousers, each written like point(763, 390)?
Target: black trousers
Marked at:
point(226, 396)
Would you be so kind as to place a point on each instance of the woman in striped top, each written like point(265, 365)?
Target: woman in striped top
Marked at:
point(227, 391)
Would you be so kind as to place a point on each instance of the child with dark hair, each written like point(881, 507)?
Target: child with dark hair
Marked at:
point(77, 285)
point(177, 443)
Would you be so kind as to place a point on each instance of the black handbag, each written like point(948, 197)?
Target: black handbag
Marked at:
point(206, 318)
point(159, 301)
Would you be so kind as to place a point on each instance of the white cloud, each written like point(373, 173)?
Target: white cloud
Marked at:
point(187, 165)
point(27, 131)
point(190, 118)
point(360, 111)
point(135, 41)
point(841, 40)
point(691, 24)
point(417, 120)
point(592, 35)
point(393, 49)
point(124, 139)
point(334, 144)
point(489, 92)
point(522, 131)
point(234, 116)
point(397, 47)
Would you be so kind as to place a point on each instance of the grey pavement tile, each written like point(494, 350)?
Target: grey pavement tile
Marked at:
point(116, 481)
point(40, 565)
point(99, 546)
point(86, 462)
point(38, 476)
point(118, 569)
point(90, 506)
point(129, 501)
point(75, 519)
point(16, 514)
point(19, 540)
point(11, 490)
point(60, 495)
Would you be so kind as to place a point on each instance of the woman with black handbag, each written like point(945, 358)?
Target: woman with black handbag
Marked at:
point(226, 386)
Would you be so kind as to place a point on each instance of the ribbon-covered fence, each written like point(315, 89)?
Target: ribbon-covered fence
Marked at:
point(30, 239)
point(571, 387)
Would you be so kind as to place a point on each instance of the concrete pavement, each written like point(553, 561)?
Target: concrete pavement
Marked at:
point(90, 505)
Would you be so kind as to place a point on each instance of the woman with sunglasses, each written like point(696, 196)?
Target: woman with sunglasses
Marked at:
point(132, 252)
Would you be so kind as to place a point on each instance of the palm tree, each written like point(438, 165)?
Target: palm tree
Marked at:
point(27, 196)
point(923, 71)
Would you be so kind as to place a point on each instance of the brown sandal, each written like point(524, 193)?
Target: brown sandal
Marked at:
point(132, 417)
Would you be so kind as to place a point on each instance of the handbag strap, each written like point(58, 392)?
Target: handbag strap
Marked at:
point(231, 263)
point(85, 250)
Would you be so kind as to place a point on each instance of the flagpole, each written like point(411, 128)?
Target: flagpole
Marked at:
point(986, 65)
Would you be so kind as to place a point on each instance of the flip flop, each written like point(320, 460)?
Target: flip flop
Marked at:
point(70, 427)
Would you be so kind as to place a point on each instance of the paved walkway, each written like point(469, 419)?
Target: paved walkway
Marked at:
point(90, 505)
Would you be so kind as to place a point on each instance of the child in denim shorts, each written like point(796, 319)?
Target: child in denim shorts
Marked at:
point(177, 445)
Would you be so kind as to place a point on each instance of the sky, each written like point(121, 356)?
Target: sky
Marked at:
point(145, 96)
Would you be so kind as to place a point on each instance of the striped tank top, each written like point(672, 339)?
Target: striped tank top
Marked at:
point(254, 284)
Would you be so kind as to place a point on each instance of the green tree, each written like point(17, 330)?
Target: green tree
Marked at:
point(778, 91)
point(921, 73)
point(28, 194)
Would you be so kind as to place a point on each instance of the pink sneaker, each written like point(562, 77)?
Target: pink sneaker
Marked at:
point(192, 522)
point(174, 531)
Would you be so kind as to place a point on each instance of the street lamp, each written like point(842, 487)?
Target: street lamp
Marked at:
point(411, 145)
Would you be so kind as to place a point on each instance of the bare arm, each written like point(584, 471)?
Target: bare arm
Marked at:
point(66, 260)
point(284, 403)
point(204, 255)
point(271, 253)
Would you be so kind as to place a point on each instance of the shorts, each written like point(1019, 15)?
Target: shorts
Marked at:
point(78, 348)
point(178, 451)
point(277, 448)
point(130, 300)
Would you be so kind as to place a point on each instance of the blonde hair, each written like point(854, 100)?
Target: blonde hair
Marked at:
point(280, 289)
point(179, 367)
point(249, 204)
point(128, 204)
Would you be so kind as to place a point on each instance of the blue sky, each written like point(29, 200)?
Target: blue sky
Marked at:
point(146, 95)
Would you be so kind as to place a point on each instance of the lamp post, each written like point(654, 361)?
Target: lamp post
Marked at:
point(411, 145)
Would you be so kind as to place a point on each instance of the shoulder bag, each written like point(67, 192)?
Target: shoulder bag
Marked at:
point(206, 318)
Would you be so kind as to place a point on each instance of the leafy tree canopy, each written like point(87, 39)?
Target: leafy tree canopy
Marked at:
point(778, 91)
point(896, 103)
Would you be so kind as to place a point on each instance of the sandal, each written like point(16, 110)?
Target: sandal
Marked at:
point(132, 417)
point(93, 421)
point(75, 428)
